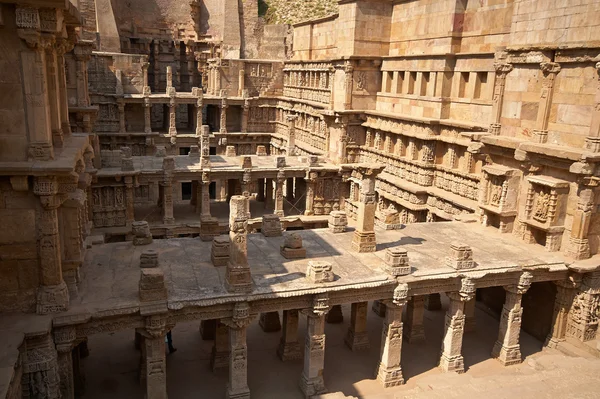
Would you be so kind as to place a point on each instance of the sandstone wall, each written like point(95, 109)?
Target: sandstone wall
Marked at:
point(316, 39)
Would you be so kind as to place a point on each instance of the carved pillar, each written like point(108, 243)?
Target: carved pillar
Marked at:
point(592, 142)
point(65, 46)
point(357, 337)
point(507, 349)
point(289, 347)
point(311, 179)
point(451, 358)
point(64, 339)
point(147, 115)
point(41, 378)
point(279, 193)
point(167, 188)
point(146, 88)
point(348, 85)
point(389, 371)
point(502, 70)
point(238, 278)
point(223, 118)
point(54, 95)
point(33, 60)
point(83, 52)
point(219, 357)
point(172, 117)
point(238, 359)
point(415, 312)
point(312, 382)
point(245, 112)
point(550, 70)
point(189, 54)
point(364, 235)
point(52, 295)
point(565, 293)
point(583, 317)
point(579, 245)
point(129, 200)
point(241, 82)
point(121, 107)
point(269, 203)
point(155, 364)
point(291, 143)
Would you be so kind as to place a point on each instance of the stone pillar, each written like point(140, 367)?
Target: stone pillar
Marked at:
point(172, 117)
point(348, 84)
point(550, 70)
point(147, 115)
point(167, 185)
point(311, 180)
point(451, 358)
point(579, 245)
point(502, 70)
point(64, 340)
point(357, 337)
point(415, 311)
point(241, 82)
point(261, 190)
point(291, 143)
point(238, 278)
point(219, 357)
point(129, 200)
point(312, 382)
point(583, 319)
point(507, 348)
point(33, 59)
point(223, 119)
point(155, 367)
point(364, 235)
point(121, 107)
point(592, 142)
point(52, 295)
point(269, 322)
point(83, 53)
point(65, 47)
point(146, 88)
point(41, 377)
point(289, 347)
point(54, 95)
point(205, 197)
point(237, 386)
point(389, 371)
point(565, 293)
point(279, 193)
point(245, 112)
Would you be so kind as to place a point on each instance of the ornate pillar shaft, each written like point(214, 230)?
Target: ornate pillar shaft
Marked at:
point(279, 194)
point(291, 142)
point(289, 347)
point(502, 71)
point(167, 202)
point(155, 367)
point(452, 359)
point(241, 82)
point(565, 292)
point(223, 117)
point(82, 55)
point(65, 370)
point(357, 337)
point(312, 382)
point(364, 235)
point(550, 70)
point(205, 200)
point(172, 118)
point(238, 278)
point(311, 179)
point(54, 96)
point(238, 364)
point(583, 317)
point(579, 245)
point(147, 115)
point(129, 201)
point(245, 112)
point(415, 312)
point(62, 86)
point(389, 371)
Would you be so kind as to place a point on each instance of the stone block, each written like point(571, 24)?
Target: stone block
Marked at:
point(152, 285)
point(292, 247)
point(319, 272)
point(230, 151)
point(337, 222)
point(141, 233)
point(219, 253)
point(261, 150)
point(149, 259)
point(246, 162)
point(364, 242)
point(461, 257)
point(271, 226)
point(396, 262)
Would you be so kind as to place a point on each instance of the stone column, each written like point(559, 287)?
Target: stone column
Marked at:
point(583, 318)
point(172, 117)
point(389, 371)
point(155, 364)
point(241, 82)
point(312, 382)
point(65, 47)
point(289, 347)
point(223, 119)
point(121, 107)
point(311, 179)
point(83, 53)
point(52, 295)
point(348, 85)
point(219, 356)
point(592, 142)
point(64, 339)
point(451, 358)
point(41, 377)
point(565, 292)
point(415, 311)
point(167, 185)
point(238, 360)
point(146, 88)
point(245, 112)
point(33, 59)
point(579, 245)
point(279, 193)
point(550, 70)
point(54, 95)
point(291, 143)
point(357, 337)
point(238, 278)
point(364, 235)
point(433, 302)
point(129, 200)
point(507, 348)
point(502, 70)
point(147, 115)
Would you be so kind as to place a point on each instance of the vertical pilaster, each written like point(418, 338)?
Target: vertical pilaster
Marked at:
point(507, 349)
point(64, 339)
point(54, 95)
point(311, 179)
point(291, 142)
point(155, 366)
point(65, 47)
point(415, 312)
point(312, 382)
point(245, 112)
point(389, 371)
point(502, 70)
point(167, 187)
point(364, 235)
point(121, 108)
point(565, 292)
point(357, 337)
point(289, 347)
point(223, 117)
point(237, 387)
point(579, 245)
point(550, 70)
point(279, 193)
point(238, 278)
point(592, 142)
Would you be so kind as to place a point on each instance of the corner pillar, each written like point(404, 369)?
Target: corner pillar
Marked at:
point(389, 371)
point(311, 382)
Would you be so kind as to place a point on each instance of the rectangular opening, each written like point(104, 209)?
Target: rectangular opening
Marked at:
point(399, 82)
point(212, 151)
point(480, 84)
point(424, 83)
point(184, 150)
point(212, 190)
point(388, 82)
point(462, 84)
point(412, 77)
point(186, 191)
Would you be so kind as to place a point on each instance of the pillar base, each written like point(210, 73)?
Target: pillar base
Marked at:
point(379, 308)
point(357, 341)
point(454, 363)
point(433, 302)
point(507, 355)
point(391, 377)
point(238, 393)
point(312, 386)
point(208, 329)
point(289, 351)
point(219, 359)
point(335, 315)
point(269, 322)
point(52, 298)
point(414, 334)
point(364, 241)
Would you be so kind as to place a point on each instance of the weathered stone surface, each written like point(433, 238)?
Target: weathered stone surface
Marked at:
point(292, 247)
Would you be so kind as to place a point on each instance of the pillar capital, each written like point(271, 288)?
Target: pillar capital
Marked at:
point(241, 317)
point(523, 284)
point(466, 292)
point(320, 306)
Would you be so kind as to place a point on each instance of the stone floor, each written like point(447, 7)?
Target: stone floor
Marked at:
point(111, 369)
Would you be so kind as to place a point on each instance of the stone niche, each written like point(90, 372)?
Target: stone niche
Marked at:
point(498, 200)
point(545, 211)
